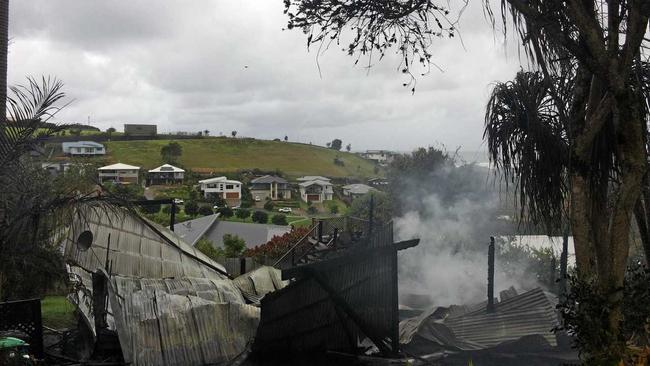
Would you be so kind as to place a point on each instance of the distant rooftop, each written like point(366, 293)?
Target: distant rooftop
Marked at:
point(307, 178)
point(81, 144)
point(358, 188)
point(213, 229)
point(269, 179)
point(119, 166)
point(219, 180)
point(167, 168)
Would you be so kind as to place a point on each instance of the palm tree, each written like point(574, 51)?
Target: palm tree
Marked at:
point(34, 206)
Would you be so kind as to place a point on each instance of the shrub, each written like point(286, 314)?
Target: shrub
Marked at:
point(167, 209)
point(206, 247)
point(205, 210)
point(225, 212)
point(233, 246)
point(278, 245)
point(334, 208)
point(243, 213)
point(312, 210)
point(191, 208)
point(219, 201)
point(279, 219)
point(260, 217)
point(150, 209)
point(268, 205)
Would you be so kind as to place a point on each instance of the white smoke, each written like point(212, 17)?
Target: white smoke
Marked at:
point(450, 263)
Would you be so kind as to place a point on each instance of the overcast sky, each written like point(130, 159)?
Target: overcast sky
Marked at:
point(182, 65)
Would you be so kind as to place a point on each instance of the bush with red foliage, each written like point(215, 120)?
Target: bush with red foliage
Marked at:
point(278, 245)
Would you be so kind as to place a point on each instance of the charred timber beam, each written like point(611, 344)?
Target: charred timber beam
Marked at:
point(490, 287)
point(355, 255)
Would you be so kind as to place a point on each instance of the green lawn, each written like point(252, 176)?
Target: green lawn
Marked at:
point(57, 312)
point(219, 155)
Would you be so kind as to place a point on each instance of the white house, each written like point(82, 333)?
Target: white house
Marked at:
point(119, 173)
point(378, 156)
point(79, 148)
point(166, 174)
point(316, 190)
point(356, 190)
point(221, 187)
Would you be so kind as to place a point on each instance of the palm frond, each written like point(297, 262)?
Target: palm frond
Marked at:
point(29, 108)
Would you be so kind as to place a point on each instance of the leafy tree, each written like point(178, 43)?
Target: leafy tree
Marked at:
point(329, 145)
point(279, 219)
point(233, 246)
point(110, 131)
point(191, 208)
point(233, 134)
point(382, 202)
point(336, 144)
point(348, 147)
point(334, 208)
point(225, 212)
point(206, 132)
point(286, 138)
point(246, 197)
point(260, 217)
point(171, 152)
point(243, 213)
point(206, 247)
point(268, 205)
point(312, 210)
point(205, 210)
point(219, 201)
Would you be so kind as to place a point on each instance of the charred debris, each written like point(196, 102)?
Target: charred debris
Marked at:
point(146, 297)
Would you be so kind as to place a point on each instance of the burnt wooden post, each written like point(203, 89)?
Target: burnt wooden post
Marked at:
point(371, 215)
point(320, 231)
point(172, 216)
point(395, 300)
point(242, 265)
point(563, 261)
point(490, 287)
point(100, 294)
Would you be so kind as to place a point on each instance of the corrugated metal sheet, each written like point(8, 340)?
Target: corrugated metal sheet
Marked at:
point(527, 314)
point(335, 303)
point(255, 284)
point(138, 248)
point(472, 328)
point(181, 321)
point(168, 303)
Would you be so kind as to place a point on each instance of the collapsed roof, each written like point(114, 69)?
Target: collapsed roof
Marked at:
point(158, 286)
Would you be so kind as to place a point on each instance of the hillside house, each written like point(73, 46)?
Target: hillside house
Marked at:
point(56, 167)
point(83, 148)
point(270, 186)
point(316, 190)
point(356, 190)
point(119, 173)
point(230, 190)
point(379, 156)
point(165, 174)
point(379, 183)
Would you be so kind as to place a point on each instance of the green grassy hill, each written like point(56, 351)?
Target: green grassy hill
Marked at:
point(212, 155)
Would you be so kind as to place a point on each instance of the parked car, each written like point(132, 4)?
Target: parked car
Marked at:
point(178, 201)
point(285, 209)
